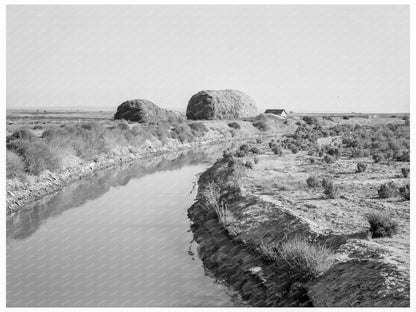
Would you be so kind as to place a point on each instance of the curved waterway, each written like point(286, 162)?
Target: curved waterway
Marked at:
point(118, 238)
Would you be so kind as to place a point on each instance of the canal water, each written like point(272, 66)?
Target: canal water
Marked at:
point(119, 238)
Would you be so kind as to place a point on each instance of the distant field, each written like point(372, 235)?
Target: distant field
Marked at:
point(56, 114)
point(44, 118)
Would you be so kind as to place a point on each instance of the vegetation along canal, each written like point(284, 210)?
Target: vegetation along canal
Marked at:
point(119, 238)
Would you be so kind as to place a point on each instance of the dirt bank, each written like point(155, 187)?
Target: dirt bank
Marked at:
point(256, 218)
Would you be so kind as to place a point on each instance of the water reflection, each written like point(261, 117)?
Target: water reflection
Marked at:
point(24, 223)
point(119, 238)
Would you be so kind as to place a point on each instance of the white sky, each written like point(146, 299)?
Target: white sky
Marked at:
point(301, 58)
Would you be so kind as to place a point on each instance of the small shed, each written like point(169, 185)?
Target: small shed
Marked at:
point(278, 112)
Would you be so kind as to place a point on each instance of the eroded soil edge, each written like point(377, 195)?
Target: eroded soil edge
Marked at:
point(359, 277)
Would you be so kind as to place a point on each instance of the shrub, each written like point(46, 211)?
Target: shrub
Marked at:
point(36, 156)
point(381, 225)
point(259, 141)
point(330, 190)
point(294, 149)
point(240, 153)
point(234, 125)
point(209, 194)
point(256, 160)
point(227, 154)
point(245, 148)
point(161, 131)
point(305, 260)
point(377, 158)
point(85, 141)
point(325, 182)
point(184, 133)
point(23, 134)
point(403, 156)
point(91, 125)
point(198, 128)
point(255, 150)
point(310, 120)
point(123, 126)
point(335, 152)
point(14, 165)
point(361, 167)
point(277, 150)
point(405, 191)
point(273, 143)
point(387, 190)
point(261, 125)
point(312, 181)
point(405, 172)
point(329, 159)
point(249, 164)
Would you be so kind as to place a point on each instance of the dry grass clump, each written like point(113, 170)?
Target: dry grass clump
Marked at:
point(183, 133)
point(263, 122)
point(123, 126)
point(378, 158)
point(381, 225)
point(36, 155)
point(234, 125)
point(313, 181)
point(255, 150)
point(306, 260)
point(224, 215)
point(14, 165)
point(261, 125)
point(405, 191)
point(405, 172)
point(210, 194)
point(276, 147)
point(23, 134)
point(311, 121)
point(294, 149)
point(361, 167)
point(387, 190)
point(243, 150)
point(277, 150)
point(331, 191)
point(329, 159)
point(248, 164)
point(325, 182)
point(198, 128)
